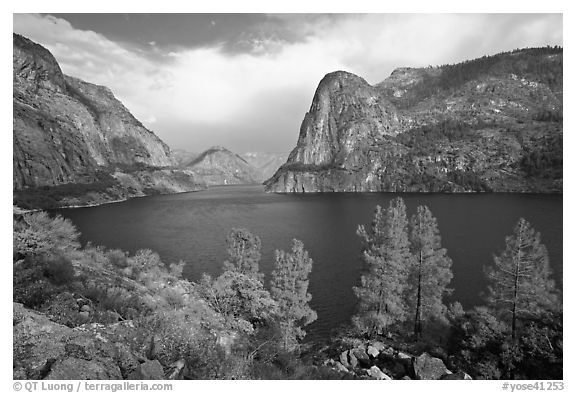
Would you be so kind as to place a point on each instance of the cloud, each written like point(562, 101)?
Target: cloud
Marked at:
point(256, 99)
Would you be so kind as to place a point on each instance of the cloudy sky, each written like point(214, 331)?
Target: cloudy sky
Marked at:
point(245, 81)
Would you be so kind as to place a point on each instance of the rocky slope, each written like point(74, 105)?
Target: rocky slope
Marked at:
point(44, 349)
point(70, 132)
point(491, 124)
point(376, 360)
point(266, 164)
point(183, 157)
point(218, 165)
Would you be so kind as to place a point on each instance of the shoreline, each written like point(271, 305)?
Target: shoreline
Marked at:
point(19, 210)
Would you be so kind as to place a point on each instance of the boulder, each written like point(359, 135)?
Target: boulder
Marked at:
point(428, 367)
point(151, 369)
point(45, 349)
point(86, 308)
point(405, 360)
point(177, 370)
point(340, 367)
point(328, 362)
point(84, 316)
point(375, 373)
point(352, 359)
point(344, 359)
point(362, 356)
point(378, 345)
point(460, 375)
point(373, 352)
point(403, 356)
point(74, 368)
point(37, 343)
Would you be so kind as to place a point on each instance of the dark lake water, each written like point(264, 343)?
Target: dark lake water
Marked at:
point(192, 227)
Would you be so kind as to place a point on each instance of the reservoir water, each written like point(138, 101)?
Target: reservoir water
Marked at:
point(192, 227)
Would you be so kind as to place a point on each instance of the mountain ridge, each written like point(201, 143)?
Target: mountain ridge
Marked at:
point(489, 124)
point(219, 166)
point(75, 143)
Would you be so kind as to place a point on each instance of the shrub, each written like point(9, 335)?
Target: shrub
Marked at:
point(39, 234)
point(117, 258)
point(37, 279)
point(58, 270)
point(30, 287)
point(240, 298)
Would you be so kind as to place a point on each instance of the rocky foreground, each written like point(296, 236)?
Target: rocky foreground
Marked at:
point(490, 124)
point(375, 360)
point(47, 350)
point(44, 349)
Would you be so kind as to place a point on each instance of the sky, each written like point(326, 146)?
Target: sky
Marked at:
point(245, 81)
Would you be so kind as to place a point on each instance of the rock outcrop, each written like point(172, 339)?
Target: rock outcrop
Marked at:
point(491, 124)
point(374, 360)
point(67, 131)
point(46, 350)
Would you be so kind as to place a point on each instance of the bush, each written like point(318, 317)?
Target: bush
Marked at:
point(37, 279)
point(117, 258)
point(30, 288)
point(110, 298)
point(38, 234)
point(240, 298)
point(58, 270)
point(483, 347)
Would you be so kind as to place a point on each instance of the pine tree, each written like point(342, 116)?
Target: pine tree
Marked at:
point(243, 253)
point(519, 282)
point(430, 272)
point(387, 256)
point(289, 288)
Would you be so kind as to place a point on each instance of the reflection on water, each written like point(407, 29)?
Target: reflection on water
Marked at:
point(192, 227)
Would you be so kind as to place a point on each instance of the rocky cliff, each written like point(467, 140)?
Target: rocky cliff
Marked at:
point(69, 132)
point(491, 124)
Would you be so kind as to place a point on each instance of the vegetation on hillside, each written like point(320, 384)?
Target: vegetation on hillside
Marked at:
point(535, 64)
point(234, 326)
point(50, 197)
point(228, 327)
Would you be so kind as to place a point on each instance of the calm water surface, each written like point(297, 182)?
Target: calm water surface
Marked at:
point(192, 227)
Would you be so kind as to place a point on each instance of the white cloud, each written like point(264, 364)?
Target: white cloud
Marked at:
point(208, 88)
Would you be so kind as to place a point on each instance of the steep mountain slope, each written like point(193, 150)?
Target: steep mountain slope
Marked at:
point(69, 132)
point(491, 124)
point(265, 163)
point(183, 157)
point(218, 165)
